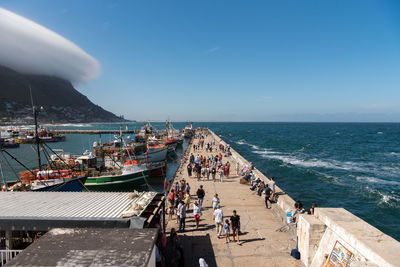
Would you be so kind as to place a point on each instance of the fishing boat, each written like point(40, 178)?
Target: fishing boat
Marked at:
point(53, 180)
point(8, 143)
point(44, 136)
point(188, 131)
point(126, 178)
point(156, 169)
point(171, 143)
point(155, 152)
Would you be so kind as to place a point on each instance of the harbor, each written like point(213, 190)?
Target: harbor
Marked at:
point(266, 234)
point(199, 133)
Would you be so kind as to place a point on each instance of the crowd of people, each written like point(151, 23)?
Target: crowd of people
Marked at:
point(203, 167)
point(206, 167)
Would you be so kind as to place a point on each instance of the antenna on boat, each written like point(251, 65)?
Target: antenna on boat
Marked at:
point(4, 180)
point(30, 91)
point(35, 114)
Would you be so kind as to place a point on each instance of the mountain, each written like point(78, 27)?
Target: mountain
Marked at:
point(61, 102)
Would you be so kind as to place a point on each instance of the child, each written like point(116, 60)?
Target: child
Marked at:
point(227, 231)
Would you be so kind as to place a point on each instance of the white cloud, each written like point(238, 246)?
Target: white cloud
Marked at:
point(28, 47)
point(212, 50)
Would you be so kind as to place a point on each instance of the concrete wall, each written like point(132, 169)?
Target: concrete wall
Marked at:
point(319, 234)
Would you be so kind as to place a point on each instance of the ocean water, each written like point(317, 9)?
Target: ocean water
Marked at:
point(350, 165)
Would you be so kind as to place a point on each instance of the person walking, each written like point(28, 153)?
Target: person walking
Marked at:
point(267, 192)
point(235, 222)
point(196, 213)
point(227, 170)
point(189, 168)
point(221, 173)
point(237, 168)
point(200, 194)
point(177, 200)
point(187, 200)
point(187, 189)
point(215, 202)
point(198, 171)
point(218, 218)
point(176, 187)
point(208, 172)
point(182, 216)
point(227, 231)
point(213, 172)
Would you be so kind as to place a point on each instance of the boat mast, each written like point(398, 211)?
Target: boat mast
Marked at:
point(166, 128)
point(121, 143)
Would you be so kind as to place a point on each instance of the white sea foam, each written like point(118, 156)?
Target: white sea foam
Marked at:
point(241, 142)
point(255, 147)
point(375, 180)
point(388, 199)
point(265, 152)
point(384, 197)
point(379, 133)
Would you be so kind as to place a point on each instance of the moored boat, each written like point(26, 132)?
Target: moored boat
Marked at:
point(188, 131)
point(124, 179)
point(53, 180)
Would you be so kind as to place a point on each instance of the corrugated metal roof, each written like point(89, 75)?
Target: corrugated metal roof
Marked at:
point(68, 204)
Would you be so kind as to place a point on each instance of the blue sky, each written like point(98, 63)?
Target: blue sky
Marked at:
point(235, 60)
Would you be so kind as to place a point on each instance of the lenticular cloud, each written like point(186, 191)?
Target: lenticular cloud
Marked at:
point(28, 47)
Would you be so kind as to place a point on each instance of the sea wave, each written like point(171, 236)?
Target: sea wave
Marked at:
point(384, 198)
point(241, 142)
point(375, 180)
point(298, 160)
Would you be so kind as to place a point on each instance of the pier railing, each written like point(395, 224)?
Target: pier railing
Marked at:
point(7, 255)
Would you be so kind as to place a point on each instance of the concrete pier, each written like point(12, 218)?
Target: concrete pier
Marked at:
point(331, 237)
point(261, 242)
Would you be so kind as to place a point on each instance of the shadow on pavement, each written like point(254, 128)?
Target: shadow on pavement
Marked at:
point(196, 247)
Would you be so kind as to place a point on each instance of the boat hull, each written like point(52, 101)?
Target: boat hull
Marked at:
point(157, 169)
point(154, 156)
point(70, 185)
point(120, 183)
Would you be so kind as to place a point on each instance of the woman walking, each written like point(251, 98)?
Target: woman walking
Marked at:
point(187, 200)
point(196, 213)
point(221, 174)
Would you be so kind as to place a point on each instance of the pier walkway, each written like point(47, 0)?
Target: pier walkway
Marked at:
point(261, 243)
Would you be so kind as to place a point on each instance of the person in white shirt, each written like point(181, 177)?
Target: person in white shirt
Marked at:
point(196, 213)
point(215, 201)
point(218, 218)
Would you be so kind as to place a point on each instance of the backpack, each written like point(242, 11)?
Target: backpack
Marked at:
point(295, 252)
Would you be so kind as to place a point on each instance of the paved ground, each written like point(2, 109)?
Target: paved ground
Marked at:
point(261, 244)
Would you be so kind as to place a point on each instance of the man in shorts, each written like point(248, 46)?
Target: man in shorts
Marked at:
point(235, 223)
point(200, 195)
